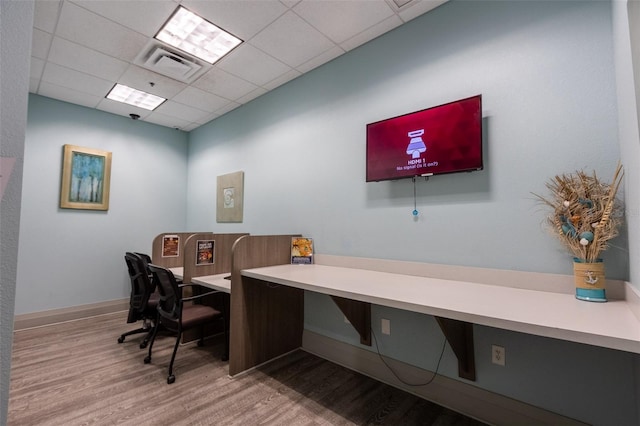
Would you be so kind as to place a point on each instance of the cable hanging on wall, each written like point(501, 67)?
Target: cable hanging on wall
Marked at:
point(415, 198)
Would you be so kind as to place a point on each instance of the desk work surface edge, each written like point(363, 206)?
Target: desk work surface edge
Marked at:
point(613, 324)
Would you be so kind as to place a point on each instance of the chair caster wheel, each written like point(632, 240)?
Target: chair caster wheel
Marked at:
point(171, 379)
point(143, 345)
point(120, 339)
point(225, 357)
point(200, 343)
point(147, 359)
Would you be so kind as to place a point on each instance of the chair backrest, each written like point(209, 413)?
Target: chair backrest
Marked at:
point(146, 260)
point(141, 286)
point(169, 305)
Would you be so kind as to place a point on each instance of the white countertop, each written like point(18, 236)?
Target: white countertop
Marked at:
point(215, 282)
point(562, 316)
point(178, 272)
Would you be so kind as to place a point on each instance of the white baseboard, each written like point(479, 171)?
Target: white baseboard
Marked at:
point(38, 319)
point(462, 397)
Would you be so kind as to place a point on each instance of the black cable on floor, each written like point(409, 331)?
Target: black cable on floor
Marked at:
point(435, 373)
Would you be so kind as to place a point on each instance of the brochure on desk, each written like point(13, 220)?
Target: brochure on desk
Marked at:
point(301, 251)
point(205, 252)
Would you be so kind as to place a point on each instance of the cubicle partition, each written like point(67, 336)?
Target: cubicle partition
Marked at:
point(168, 248)
point(206, 260)
point(266, 320)
point(207, 254)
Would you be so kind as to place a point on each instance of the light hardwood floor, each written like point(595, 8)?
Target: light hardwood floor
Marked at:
point(75, 373)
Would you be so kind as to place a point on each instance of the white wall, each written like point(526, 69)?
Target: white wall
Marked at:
point(626, 23)
point(16, 20)
point(74, 257)
point(549, 99)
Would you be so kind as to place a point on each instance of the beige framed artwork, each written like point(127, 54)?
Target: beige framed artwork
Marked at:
point(230, 194)
point(86, 176)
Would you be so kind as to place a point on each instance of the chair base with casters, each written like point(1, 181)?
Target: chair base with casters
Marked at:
point(178, 314)
point(146, 328)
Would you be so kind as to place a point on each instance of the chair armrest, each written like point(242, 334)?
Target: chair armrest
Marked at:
point(198, 296)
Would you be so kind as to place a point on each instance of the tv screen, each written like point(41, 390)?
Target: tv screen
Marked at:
point(443, 139)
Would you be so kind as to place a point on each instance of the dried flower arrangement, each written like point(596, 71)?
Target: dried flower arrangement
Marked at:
point(586, 212)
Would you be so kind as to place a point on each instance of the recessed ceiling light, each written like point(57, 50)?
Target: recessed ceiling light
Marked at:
point(122, 93)
point(191, 33)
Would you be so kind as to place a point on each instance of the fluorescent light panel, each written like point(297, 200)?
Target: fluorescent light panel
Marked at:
point(128, 95)
point(196, 36)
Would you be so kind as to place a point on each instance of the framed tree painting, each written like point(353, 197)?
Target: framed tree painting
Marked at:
point(86, 175)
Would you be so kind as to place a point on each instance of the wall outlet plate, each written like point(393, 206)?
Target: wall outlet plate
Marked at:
point(498, 355)
point(386, 326)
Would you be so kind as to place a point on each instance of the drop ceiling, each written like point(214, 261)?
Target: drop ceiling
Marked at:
point(82, 48)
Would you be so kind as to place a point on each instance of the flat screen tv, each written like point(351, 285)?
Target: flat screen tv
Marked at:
point(442, 139)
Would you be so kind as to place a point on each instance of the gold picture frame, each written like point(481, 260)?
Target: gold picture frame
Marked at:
point(86, 177)
point(230, 199)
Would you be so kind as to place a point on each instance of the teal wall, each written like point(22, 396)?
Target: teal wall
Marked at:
point(550, 106)
point(544, 70)
point(75, 257)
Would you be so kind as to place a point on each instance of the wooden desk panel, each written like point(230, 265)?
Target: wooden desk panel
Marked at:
point(266, 321)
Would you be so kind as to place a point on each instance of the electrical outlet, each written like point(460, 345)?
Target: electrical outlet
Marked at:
point(498, 355)
point(386, 326)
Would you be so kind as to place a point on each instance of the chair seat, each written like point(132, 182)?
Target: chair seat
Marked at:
point(179, 314)
point(194, 315)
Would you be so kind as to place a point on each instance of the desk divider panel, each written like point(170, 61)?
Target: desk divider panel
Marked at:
point(222, 255)
point(266, 319)
point(221, 264)
point(170, 261)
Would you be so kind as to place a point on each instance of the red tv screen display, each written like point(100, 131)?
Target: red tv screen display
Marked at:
point(443, 139)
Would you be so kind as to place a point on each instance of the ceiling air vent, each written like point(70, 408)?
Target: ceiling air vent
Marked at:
point(171, 65)
point(164, 61)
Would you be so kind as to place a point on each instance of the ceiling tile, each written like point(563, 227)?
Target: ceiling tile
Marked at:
point(223, 84)
point(321, 59)
point(242, 18)
point(371, 33)
point(144, 16)
point(228, 108)
point(81, 48)
point(253, 65)
point(282, 79)
point(76, 80)
point(141, 79)
point(289, 3)
point(184, 112)
point(157, 117)
point(67, 95)
point(341, 20)
point(45, 15)
point(252, 95)
point(119, 108)
point(83, 59)
point(208, 118)
point(40, 43)
point(277, 40)
point(33, 85)
point(190, 127)
point(200, 99)
point(417, 8)
point(37, 66)
point(88, 29)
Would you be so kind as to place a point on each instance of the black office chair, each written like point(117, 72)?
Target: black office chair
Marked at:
point(143, 301)
point(179, 314)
